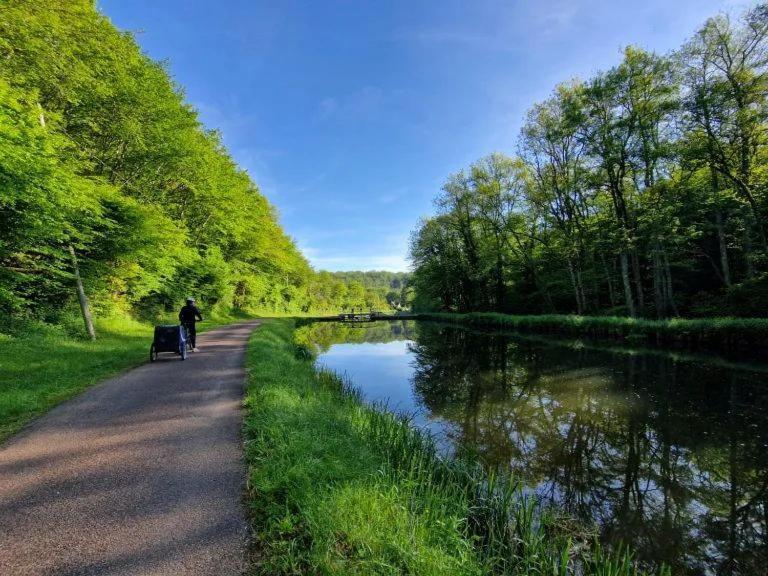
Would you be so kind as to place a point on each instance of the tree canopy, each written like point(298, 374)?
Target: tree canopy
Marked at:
point(100, 151)
point(640, 191)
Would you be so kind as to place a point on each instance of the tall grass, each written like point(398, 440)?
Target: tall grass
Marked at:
point(340, 487)
point(712, 333)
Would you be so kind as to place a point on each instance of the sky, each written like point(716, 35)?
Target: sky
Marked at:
point(351, 114)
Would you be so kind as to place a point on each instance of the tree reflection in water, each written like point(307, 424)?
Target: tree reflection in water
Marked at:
point(666, 454)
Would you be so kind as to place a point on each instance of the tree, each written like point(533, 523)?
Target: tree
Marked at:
point(648, 179)
point(555, 154)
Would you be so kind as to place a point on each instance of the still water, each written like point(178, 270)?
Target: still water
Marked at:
point(666, 452)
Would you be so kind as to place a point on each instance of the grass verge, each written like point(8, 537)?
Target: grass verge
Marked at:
point(43, 365)
point(726, 334)
point(340, 487)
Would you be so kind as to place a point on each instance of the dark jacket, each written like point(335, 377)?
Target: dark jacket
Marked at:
point(189, 313)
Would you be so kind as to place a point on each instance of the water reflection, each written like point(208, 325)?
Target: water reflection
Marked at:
point(669, 455)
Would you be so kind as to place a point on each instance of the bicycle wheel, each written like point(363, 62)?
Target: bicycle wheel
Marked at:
point(152, 353)
point(183, 351)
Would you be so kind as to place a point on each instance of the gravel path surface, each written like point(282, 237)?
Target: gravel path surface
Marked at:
point(142, 474)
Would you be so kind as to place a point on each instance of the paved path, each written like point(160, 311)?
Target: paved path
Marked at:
point(142, 474)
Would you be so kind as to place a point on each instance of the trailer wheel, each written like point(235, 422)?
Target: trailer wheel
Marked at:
point(152, 353)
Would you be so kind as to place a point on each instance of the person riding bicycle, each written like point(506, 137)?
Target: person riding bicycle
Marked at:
point(188, 315)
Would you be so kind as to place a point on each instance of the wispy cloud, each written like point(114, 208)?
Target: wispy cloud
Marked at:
point(492, 26)
point(560, 16)
point(466, 38)
point(392, 196)
point(391, 262)
point(365, 101)
point(328, 106)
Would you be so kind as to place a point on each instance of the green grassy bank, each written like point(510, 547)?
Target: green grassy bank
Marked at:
point(42, 365)
point(338, 487)
point(726, 334)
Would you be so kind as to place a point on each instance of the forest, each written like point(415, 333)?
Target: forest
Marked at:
point(640, 191)
point(386, 289)
point(103, 160)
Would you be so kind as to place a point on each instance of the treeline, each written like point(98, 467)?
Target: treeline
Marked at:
point(376, 290)
point(99, 152)
point(389, 288)
point(641, 191)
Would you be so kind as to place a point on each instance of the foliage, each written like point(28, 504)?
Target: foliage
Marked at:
point(100, 151)
point(640, 191)
point(376, 290)
point(387, 289)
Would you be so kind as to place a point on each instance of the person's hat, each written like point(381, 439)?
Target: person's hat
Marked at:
point(190, 299)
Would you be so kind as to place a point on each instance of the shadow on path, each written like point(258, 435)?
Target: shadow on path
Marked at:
point(142, 474)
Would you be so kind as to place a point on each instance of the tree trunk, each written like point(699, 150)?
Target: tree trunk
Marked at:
point(580, 282)
point(638, 280)
point(500, 288)
point(542, 288)
point(82, 298)
point(724, 265)
point(662, 282)
point(611, 293)
point(575, 284)
point(627, 284)
point(757, 219)
point(669, 292)
point(748, 249)
point(658, 285)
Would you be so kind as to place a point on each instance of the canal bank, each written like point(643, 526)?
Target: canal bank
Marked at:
point(715, 334)
point(663, 451)
point(337, 486)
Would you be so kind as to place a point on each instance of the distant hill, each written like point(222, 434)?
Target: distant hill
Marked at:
point(389, 286)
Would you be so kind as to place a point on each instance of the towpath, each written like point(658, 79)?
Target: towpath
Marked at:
point(141, 474)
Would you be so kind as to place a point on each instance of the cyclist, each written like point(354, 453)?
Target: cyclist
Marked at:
point(188, 315)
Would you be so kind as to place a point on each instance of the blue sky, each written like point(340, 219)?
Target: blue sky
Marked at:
point(350, 114)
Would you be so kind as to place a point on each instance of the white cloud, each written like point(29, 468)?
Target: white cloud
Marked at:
point(354, 258)
point(392, 196)
point(390, 262)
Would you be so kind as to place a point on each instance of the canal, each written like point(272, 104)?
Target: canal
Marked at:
point(665, 452)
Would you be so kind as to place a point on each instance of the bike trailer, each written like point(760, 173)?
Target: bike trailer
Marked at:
point(169, 338)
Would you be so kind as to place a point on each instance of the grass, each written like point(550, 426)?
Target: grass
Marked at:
point(43, 365)
point(340, 487)
point(728, 334)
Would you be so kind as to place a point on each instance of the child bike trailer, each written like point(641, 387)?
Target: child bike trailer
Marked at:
point(169, 338)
